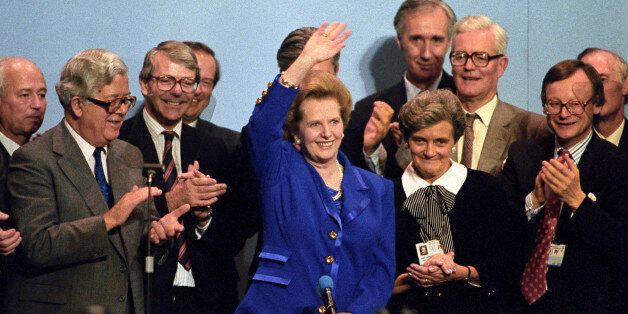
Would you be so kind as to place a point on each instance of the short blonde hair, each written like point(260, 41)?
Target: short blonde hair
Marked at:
point(429, 108)
point(481, 22)
point(318, 85)
point(87, 72)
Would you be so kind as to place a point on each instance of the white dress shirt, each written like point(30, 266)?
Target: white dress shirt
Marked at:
point(615, 137)
point(8, 144)
point(88, 151)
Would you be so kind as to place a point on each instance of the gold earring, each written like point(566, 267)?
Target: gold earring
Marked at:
point(297, 140)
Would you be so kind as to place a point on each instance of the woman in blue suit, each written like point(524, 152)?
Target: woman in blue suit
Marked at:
point(321, 215)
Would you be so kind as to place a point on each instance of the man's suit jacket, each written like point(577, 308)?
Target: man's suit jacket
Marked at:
point(232, 221)
point(230, 138)
point(4, 168)
point(353, 141)
point(590, 277)
point(5, 158)
point(508, 124)
point(67, 260)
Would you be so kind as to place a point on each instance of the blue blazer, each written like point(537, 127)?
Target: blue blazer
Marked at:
point(305, 236)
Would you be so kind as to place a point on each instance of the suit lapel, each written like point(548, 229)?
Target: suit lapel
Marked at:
point(623, 140)
point(589, 164)
point(119, 179)
point(356, 192)
point(496, 139)
point(73, 164)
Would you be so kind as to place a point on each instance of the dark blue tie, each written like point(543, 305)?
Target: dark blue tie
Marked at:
point(100, 178)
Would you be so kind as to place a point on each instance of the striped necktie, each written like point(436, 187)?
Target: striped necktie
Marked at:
point(170, 180)
point(431, 206)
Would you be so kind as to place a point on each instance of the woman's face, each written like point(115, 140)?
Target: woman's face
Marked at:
point(431, 149)
point(320, 130)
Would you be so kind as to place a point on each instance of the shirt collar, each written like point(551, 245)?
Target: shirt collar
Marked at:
point(86, 148)
point(412, 90)
point(615, 137)
point(577, 150)
point(452, 180)
point(155, 129)
point(485, 113)
point(193, 123)
point(8, 144)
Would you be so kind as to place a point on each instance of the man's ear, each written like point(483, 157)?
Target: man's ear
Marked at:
point(75, 107)
point(144, 87)
point(502, 64)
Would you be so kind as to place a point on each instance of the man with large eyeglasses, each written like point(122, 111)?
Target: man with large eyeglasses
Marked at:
point(611, 123)
point(196, 172)
point(573, 188)
point(478, 59)
point(76, 197)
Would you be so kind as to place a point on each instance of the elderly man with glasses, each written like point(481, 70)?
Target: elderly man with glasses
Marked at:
point(573, 187)
point(196, 172)
point(75, 197)
point(478, 59)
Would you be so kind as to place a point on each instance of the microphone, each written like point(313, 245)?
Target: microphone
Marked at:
point(325, 286)
point(150, 170)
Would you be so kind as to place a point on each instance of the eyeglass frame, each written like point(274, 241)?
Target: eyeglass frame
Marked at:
point(176, 81)
point(468, 56)
point(564, 104)
point(107, 105)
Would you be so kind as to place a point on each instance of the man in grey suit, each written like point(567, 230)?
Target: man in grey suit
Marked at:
point(478, 59)
point(22, 108)
point(75, 198)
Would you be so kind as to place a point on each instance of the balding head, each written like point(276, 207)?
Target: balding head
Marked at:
point(22, 98)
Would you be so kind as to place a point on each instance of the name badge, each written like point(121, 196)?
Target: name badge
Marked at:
point(425, 250)
point(556, 255)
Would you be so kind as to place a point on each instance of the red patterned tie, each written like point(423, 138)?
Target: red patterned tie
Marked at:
point(534, 281)
point(170, 180)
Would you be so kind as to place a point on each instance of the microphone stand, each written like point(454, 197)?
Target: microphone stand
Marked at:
point(149, 261)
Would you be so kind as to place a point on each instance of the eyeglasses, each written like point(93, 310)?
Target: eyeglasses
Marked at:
point(166, 83)
point(115, 104)
point(480, 59)
point(574, 106)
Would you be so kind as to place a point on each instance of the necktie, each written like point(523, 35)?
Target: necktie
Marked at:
point(534, 280)
point(105, 189)
point(170, 171)
point(467, 146)
point(170, 177)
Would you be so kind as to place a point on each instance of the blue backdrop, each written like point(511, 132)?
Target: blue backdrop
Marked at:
point(246, 35)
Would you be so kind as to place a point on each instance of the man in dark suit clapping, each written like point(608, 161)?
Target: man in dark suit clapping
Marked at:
point(573, 187)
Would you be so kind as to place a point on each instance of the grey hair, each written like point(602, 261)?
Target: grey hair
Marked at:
point(621, 66)
point(410, 6)
point(87, 72)
point(481, 22)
